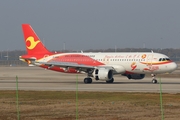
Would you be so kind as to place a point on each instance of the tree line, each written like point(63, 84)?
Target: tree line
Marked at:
point(174, 54)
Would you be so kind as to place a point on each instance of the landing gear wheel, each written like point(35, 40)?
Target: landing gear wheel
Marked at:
point(110, 81)
point(153, 78)
point(87, 80)
point(154, 81)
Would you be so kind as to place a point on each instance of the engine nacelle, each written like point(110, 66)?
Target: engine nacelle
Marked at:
point(135, 76)
point(119, 69)
point(103, 74)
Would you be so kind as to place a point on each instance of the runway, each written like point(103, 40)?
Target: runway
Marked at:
point(37, 79)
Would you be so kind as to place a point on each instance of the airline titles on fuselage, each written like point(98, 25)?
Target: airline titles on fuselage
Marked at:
point(126, 56)
point(79, 55)
point(110, 56)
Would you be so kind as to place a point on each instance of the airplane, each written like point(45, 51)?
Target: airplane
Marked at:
point(100, 66)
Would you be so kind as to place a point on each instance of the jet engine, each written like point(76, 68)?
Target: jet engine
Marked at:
point(103, 74)
point(135, 76)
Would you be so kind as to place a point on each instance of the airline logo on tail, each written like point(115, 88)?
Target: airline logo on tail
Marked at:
point(31, 43)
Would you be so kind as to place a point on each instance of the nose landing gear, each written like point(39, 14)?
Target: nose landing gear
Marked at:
point(154, 81)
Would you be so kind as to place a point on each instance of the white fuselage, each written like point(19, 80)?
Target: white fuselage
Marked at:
point(140, 62)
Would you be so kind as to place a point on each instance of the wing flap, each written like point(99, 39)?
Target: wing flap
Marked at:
point(67, 64)
point(80, 67)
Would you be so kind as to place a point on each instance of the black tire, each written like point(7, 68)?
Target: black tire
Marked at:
point(110, 81)
point(87, 80)
point(154, 81)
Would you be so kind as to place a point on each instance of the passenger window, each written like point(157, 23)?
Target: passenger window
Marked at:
point(160, 59)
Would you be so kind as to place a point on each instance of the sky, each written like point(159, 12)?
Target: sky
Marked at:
point(92, 24)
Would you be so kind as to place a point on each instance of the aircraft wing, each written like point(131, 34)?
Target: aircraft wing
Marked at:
point(76, 66)
point(68, 65)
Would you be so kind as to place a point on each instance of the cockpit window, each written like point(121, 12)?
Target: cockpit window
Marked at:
point(160, 59)
point(164, 59)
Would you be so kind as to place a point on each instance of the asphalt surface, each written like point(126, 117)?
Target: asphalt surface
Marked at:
point(35, 78)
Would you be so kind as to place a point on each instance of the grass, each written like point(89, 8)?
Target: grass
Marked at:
point(61, 105)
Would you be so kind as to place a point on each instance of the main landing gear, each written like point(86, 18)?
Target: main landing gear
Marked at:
point(87, 80)
point(110, 81)
point(153, 78)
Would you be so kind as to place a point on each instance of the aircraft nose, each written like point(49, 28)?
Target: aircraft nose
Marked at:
point(173, 66)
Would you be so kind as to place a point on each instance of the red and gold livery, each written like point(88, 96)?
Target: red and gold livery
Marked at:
point(100, 66)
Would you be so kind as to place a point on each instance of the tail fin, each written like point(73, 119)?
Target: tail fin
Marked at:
point(33, 44)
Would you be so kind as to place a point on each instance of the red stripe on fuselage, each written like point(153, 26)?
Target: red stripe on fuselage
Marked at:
point(157, 63)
